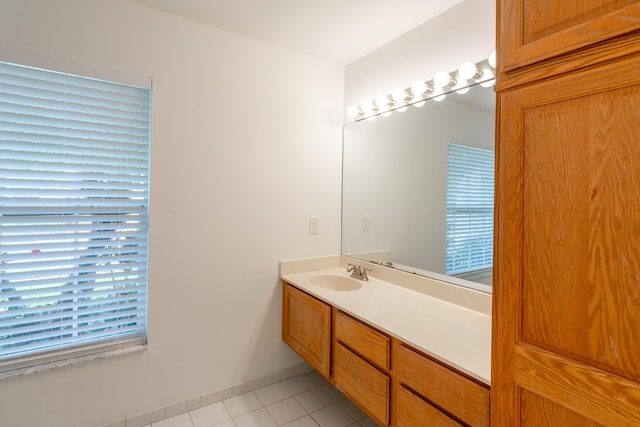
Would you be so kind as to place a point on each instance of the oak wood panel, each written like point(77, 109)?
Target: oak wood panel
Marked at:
point(595, 394)
point(306, 327)
point(546, 17)
point(463, 398)
point(413, 411)
point(567, 184)
point(362, 339)
point(363, 383)
point(538, 411)
point(532, 31)
point(589, 56)
point(581, 231)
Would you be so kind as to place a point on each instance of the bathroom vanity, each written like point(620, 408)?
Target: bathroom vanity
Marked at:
point(406, 349)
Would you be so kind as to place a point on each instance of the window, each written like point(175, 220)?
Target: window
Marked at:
point(74, 178)
point(470, 177)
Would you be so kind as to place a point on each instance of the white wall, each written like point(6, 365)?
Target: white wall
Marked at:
point(246, 145)
point(466, 32)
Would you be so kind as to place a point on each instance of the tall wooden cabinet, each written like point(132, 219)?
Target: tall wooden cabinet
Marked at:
point(566, 334)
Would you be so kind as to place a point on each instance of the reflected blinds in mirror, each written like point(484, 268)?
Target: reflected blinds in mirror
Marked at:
point(469, 241)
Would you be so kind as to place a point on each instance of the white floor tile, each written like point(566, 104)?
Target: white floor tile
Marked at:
point(306, 421)
point(182, 420)
point(334, 393)
point(259, 418)
point(228, 423)
point(352, 409)
point(317, 378)
point(332, 416)
point(286, 411)
point(314, 399)
point(242, 404)
point(368, 422)
point(272, 393)
point(299, 384)
point(208, 416)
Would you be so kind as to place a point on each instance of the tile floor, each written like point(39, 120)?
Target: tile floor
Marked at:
point(307, 400)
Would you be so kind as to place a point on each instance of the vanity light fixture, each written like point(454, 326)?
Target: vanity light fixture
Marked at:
point(354, 111)
point(383, 102)
point(469, 71)
point(492, 59)
point(401, 96)
point(420, 91)
point(444, 79)
point(368, 107)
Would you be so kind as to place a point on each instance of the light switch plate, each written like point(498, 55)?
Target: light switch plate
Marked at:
point(314, 225)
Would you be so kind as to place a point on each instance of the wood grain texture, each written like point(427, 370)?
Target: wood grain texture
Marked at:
point(414, 411)
point(538, 411)
point(532, 31)
point(464, 399)
point(306, 327)
point(363, 340)
point(581, 230)
point(362, 383)
point(597, 395)
point(567, 267)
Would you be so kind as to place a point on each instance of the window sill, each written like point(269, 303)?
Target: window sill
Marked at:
point(43, 367)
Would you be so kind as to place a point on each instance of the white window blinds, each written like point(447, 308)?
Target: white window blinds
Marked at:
point(74, 178)
point(469, 240)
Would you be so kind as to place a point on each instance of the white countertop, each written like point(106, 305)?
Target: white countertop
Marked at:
point(454, 334)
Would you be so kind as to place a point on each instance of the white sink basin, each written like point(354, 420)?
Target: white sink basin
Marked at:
point(336, 283)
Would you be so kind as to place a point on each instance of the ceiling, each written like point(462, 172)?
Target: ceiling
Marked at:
point(340, 31)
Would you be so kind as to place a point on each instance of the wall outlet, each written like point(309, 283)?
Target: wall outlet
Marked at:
point(366, 223)
point(314, 225)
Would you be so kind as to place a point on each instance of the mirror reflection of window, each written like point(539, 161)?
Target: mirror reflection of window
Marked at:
point(469, 242)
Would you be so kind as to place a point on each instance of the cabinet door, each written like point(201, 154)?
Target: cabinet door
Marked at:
point(306, 327)
point(534, 30)
point(566, 320)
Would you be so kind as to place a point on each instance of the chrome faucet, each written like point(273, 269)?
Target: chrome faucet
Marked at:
point(358, 272)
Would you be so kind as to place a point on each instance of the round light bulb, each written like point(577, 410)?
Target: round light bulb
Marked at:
point(382, 101)
point(402, 109)
point(488, 83)
point(440, 98)
point(468, 70)
point(399, 95)
point(463, 90)
point(488, 74)
point(419, 104)
point(353, 111)
point(442, 79)
point(418, 88)
point(367, 106)
point(492, 59)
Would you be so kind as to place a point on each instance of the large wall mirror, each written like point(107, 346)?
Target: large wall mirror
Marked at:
point(418, 189)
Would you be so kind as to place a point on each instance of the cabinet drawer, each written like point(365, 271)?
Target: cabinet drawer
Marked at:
point(363, 383)
point(413, 411)
point(362, 339)
point(461, 397)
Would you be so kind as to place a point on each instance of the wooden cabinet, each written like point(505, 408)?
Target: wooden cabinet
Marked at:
point(533, 31)
point(566, 308)
point(361, 366)
point(372, 368)
point(306, 327)
point(429, 384)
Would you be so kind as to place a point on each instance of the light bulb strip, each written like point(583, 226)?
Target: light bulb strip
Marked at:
point(442, 84)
